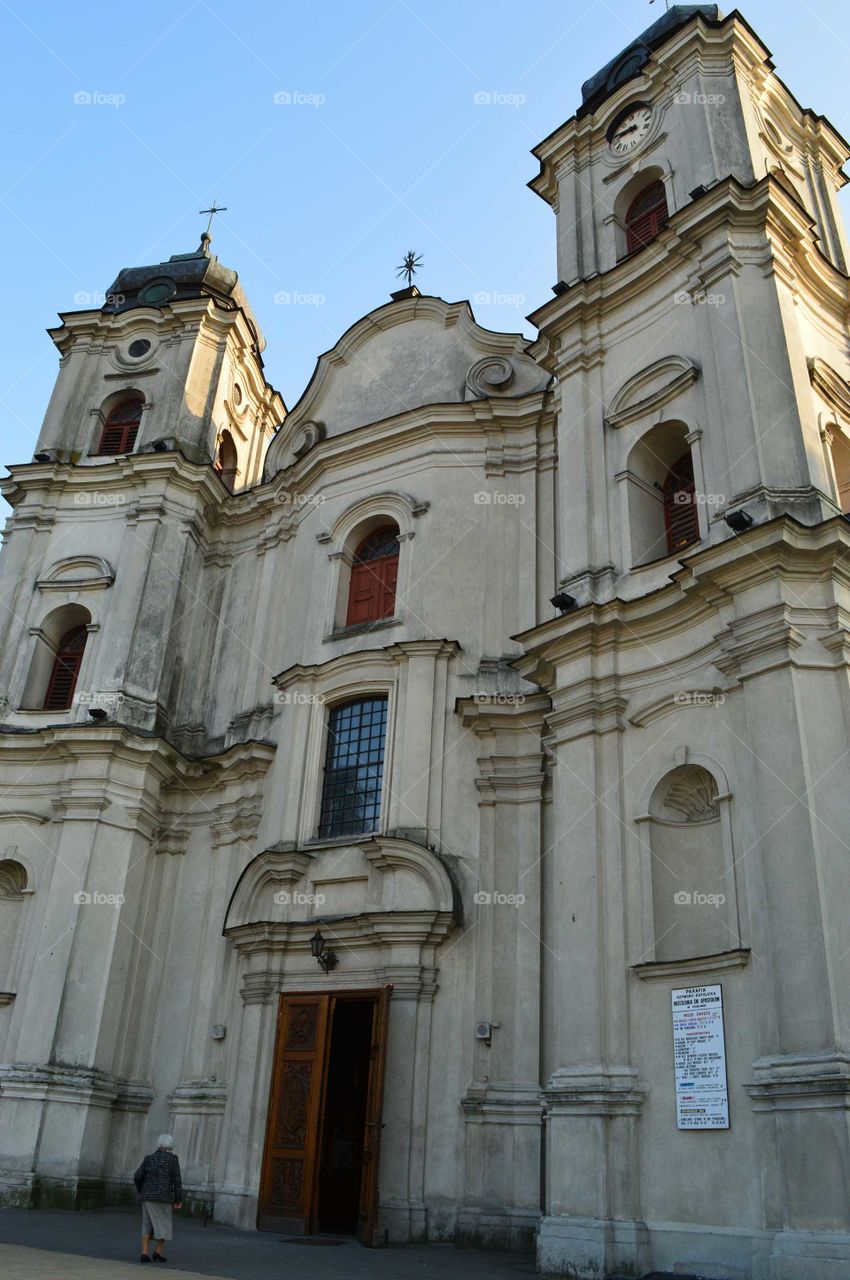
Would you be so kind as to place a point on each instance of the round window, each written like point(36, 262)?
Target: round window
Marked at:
point(157, 292)
point(139, 348)
point(237, 393)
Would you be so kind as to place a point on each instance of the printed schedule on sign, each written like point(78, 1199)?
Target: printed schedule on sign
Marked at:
point(702, 1098)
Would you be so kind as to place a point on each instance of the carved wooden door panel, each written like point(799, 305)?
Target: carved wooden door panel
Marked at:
point(287, 1185)
point(368, 1217)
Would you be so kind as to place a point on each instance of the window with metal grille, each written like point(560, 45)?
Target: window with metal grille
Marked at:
point(66, 668)
point(681, 518)
point(646, 216)
point(121, 428)
point(354, 768)
point(374, 575)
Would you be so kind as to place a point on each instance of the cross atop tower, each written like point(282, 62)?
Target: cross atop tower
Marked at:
point(212, 211)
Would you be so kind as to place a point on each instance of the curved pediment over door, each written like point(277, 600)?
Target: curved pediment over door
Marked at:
point(382, 904)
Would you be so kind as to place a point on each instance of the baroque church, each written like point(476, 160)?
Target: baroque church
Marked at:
point(427, 802)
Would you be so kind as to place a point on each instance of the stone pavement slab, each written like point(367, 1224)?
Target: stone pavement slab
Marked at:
point(20, 1263)
point(105, 1245)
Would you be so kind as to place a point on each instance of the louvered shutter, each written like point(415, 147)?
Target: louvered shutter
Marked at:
point(121, 428)
point(680, 508)
point(646, 216)
point(66, 668)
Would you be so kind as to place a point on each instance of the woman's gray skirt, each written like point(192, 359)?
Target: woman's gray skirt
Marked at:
point(156, 1219)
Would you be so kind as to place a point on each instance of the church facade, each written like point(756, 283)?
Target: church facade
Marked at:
point(428, 803)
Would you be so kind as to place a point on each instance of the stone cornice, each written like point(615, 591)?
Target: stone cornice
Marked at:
point(594, 1090)
point(664, 970)
point(801, 1082)
point(78, 1085)
point(391, 656)
point(790, 247)
point(780, 548)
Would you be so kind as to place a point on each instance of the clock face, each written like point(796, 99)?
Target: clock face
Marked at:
point(630, 129)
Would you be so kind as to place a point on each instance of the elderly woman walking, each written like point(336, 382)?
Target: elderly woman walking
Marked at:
point(158, 1183)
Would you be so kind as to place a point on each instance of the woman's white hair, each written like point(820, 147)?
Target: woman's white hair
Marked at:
point(165, 1140)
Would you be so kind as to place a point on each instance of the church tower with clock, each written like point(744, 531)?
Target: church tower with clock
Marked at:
point(449, 841)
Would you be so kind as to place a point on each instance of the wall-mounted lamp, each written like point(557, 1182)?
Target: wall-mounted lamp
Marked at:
point(563, 602)
point(738, 521)
point(327, 959)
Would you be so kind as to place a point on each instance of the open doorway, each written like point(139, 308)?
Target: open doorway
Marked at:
point(346, 1097)
point(321, 1157)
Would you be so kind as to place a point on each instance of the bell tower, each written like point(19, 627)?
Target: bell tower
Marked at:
point(179, 340)
point(698, 324)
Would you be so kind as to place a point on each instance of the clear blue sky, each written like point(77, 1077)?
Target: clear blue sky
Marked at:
point(384, 148)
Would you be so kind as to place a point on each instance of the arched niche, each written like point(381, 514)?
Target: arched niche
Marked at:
point(689, 873)
point(14, 888)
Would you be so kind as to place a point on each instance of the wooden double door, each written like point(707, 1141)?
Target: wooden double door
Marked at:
point(320, 1166)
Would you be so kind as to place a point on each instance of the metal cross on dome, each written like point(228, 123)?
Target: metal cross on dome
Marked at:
point(212, 211)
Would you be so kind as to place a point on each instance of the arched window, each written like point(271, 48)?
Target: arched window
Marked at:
point(66, 668)
point(226, 460)
point(354, 768)
point(680, 505)
point(646, 215)
point(121, 427)
point(374, 574)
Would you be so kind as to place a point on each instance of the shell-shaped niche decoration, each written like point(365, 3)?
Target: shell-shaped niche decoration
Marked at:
point(490, 376)
point(307, 435)
point(693, 793)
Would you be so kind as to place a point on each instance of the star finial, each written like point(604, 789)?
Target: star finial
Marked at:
point(409, 266)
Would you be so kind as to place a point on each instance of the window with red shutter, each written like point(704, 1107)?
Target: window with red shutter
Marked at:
point(680, 506)
point(374, 574)
point(121, 428)
point(66, 668)
point(646, 216)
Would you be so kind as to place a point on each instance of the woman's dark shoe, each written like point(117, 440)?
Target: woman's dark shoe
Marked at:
point(144, 1258)
point(159, 1257)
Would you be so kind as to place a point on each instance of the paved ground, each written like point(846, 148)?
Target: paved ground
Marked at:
point(52, 1245)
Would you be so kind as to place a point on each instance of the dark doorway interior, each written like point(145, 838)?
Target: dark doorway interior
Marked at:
point(341, 1165)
